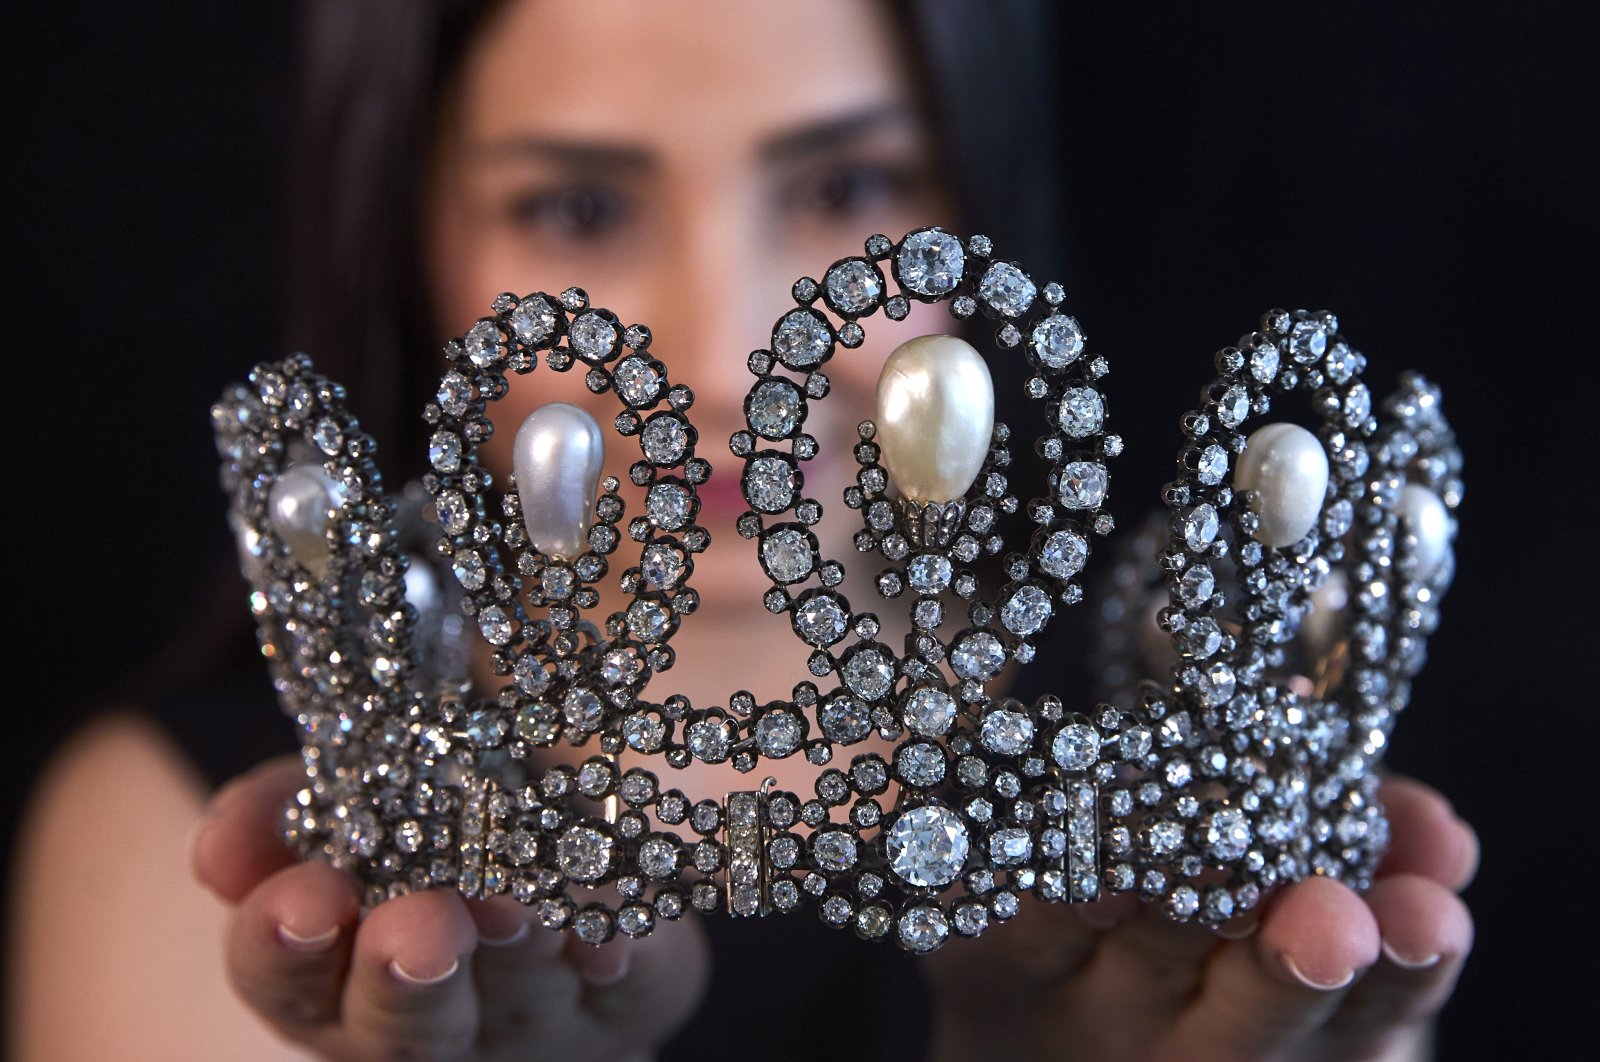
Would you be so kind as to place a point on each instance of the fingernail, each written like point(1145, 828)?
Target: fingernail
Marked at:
point(516, 936)
point(604, 969)
point(401, 975)
point(1422, 963)
point(1319, 986)
point(1238, 932)
point(316, 942)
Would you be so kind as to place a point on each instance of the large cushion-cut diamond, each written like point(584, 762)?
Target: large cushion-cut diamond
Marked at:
point(1058, 341)
point(1083, 485)
point(1007, 289)
point(584, 853)
point(927, 846)
point(773, 408)
point(802, 339)
point(533, 320)
point(1063, 554)
point(854, 286)
point(930, 262)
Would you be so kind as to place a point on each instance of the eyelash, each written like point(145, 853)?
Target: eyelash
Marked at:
point(574, 213)
point(842, 192)
point(828, 194)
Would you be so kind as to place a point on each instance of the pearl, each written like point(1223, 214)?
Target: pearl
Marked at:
point(301, 509)
point(422, 590)
point(1324, 622)
point(1288, 469)
point(1424, 516)
point(935, 417)
point(557, 459)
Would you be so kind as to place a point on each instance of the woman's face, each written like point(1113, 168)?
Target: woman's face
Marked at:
point(685, 165)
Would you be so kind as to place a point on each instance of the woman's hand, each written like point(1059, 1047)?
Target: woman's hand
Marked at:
point(1319, 972)
point(428, 975)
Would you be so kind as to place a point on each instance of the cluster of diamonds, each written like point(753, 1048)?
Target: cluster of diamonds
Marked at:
point(1226, 766)
point(347, 629)
point(1199, 793)
point(415, 785)
point(1414, 445)
point(570, 680)
point(339, 641)
point(979, 799)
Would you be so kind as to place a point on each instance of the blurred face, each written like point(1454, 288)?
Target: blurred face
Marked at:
point(685, 165)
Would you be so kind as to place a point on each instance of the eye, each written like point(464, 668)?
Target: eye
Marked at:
point(842, 192)
point(573, 213)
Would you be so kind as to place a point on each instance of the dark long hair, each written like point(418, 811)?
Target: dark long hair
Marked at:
point(374, 69)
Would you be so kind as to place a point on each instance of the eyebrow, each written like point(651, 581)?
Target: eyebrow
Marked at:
point(810, 139)
point(835, 132)
point(578, 154)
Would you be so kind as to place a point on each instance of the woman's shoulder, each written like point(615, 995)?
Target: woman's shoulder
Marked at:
point(104, 907)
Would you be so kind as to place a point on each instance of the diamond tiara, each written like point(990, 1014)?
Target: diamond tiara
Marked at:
point(1250, 764)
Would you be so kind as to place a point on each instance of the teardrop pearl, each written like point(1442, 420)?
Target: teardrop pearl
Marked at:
point(557, 459)
point(1288, 468)
point(1424, 515)
point(301, 508)
point(935, 417)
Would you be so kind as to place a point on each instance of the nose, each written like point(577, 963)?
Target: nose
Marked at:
point(716, 296)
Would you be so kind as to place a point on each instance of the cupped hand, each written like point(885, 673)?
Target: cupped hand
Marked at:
point(427, 975)
point(1317, 972)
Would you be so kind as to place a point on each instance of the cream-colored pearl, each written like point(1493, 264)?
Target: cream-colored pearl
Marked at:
point(1288, 469)
point(557, 458)
point(1324, 622)
point(1423, 514)
point(301, 508)
point(935, 417)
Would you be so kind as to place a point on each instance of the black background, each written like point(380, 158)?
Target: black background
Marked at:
point(1423, 170)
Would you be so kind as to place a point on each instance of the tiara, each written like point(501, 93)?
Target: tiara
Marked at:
point(1301, 574)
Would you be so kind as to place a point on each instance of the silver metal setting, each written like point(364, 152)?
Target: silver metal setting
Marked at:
point(1250, 764)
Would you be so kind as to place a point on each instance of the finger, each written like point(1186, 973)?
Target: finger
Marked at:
point(1145, 968)
point(1048, 942)
point(1427, 933)
point(654, 985)
point(1013, 972)
point(502, 921)
point(1262, 994)
point(240, 842)
point(1427, 837)
point(289, 944)
point(1241, 926)
point(602, 966)
point(525, 987)
point(410, 985)
point(1109, 912)
point(575, 1000)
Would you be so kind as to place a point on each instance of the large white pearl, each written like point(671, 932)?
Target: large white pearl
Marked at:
point(935, 417)
point(301, 507)
point(557, 459)
point(1424, 515)
point(1286, 466)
